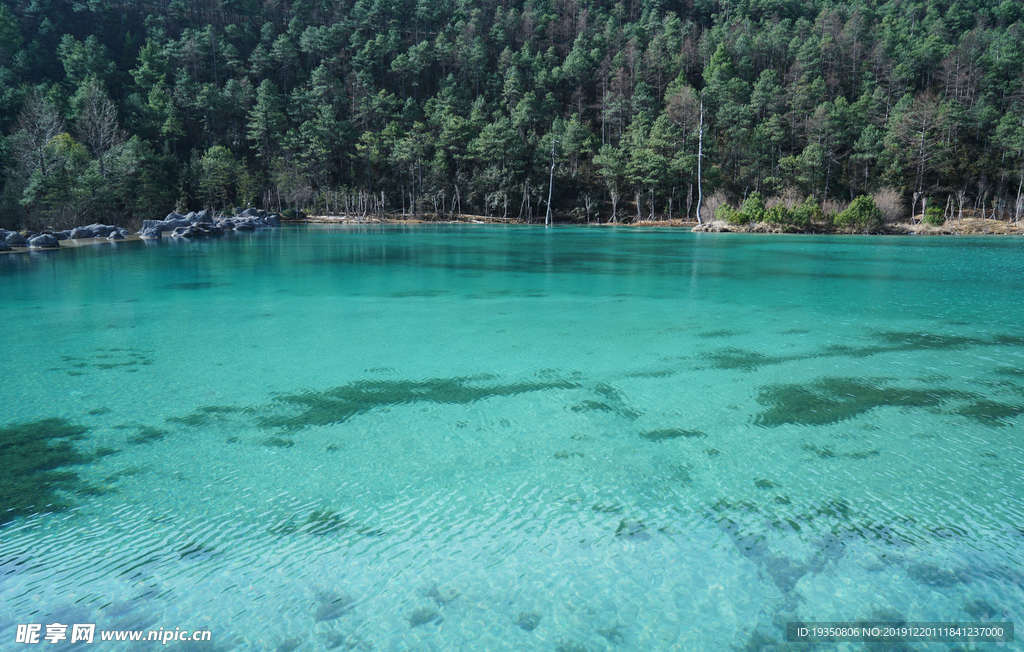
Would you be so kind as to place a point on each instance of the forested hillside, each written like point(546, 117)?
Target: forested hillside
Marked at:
point(120, 111)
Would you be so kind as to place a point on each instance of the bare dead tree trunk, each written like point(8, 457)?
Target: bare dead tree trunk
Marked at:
point(700, 155)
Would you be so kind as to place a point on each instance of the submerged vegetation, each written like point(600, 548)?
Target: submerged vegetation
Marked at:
point(34, 466)
point(777, 111)
point(831, 400)
point(340, 404)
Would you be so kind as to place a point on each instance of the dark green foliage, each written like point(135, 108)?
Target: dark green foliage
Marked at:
point(933, 216)
point(664, 434)
point(753, 208)
point(861, 215)
point(340, 404)
point(34, 461)
point(110, 114)
point(806, 214)
point(778, 215)
point(831, 400)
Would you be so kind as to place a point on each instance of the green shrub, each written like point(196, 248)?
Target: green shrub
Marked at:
point(288, 213)
point(778, 215)
point(934, 216)
point(753, 207)
point(725, 213)
point(806, 213)
point(861, 214)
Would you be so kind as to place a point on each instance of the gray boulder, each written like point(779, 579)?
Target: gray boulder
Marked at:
point(174, 217)
point(205, 215)
point(103, 230)
point(116, 235)
point(272, 220)
point(152, 229)
point(250, 212)
point(93, 231)
point(15, 239)
point(82, 232)
point(207, 228)
point(4, 246)
point(63, 235)
point(44, 241)
point(170, 225)
point(244, 226)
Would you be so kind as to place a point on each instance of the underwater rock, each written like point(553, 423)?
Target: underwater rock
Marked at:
point(528, 620)
point(333, 606)
point(44, 241)
point(932, 575)
point(633, 529)
point(422, 616)
point(441, 597)
point(664, 434)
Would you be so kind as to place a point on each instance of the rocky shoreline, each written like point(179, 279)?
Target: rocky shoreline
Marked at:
point(208, 223)
point(966, 226)
point(203, 223)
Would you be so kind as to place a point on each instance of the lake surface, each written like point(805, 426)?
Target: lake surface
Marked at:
point(488, 438)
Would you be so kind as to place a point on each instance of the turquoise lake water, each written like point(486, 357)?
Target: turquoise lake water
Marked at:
point(487, 438)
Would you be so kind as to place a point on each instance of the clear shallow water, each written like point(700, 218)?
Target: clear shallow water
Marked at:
point(436, 438)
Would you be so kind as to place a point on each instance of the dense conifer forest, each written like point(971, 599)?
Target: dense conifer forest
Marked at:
point(124, 110)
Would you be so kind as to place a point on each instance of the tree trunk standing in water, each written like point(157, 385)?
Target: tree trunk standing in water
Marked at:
point(700, 154)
